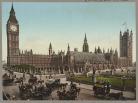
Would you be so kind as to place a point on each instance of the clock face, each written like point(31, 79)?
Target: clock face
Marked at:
point(13, 28)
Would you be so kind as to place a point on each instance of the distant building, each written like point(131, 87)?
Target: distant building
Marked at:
point(73, 61)
point(126, 48)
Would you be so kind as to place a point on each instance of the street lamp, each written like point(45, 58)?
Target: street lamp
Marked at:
point(123, 82)
point(40, 74)
point(93, 76)
point(50, 74)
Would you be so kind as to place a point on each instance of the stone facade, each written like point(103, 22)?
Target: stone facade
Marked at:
point(73, 61)
point(126, 48)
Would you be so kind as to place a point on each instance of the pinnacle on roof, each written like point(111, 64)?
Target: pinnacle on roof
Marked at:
point(50, 46)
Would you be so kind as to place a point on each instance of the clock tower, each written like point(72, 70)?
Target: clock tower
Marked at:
point(12, 37)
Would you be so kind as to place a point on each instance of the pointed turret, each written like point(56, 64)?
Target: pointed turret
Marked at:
point(95, 51)
point(68, 48)
point(12, 12)
point(85, 39)
point(103, 50)
point(131, 33)
point(116, 52)
point(31, 51)
point(108, 51)
point(85, 45)
point(50, 48)
point(99, 50)
point(127, 30)
point(111, 51)
point(12, 17)
point(120, 33)
point(116, 57)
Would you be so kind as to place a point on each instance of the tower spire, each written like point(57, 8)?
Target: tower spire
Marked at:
point(12, 12)
point(68, 47)
point(12, 17)
point(12, 2)
point(50, 49)
point(85, 39)
point(85, 45)
point(50, 46)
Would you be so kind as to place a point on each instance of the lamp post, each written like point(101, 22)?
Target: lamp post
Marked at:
point(93, 76)
point(54, 74)
point(40, 75)
point(123, 82)
point(50, 74)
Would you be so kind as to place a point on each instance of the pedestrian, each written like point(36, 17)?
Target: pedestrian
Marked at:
point(24, 76)
point(79, 82)
point(108, 88)
point(14, 76)
point(13, 97)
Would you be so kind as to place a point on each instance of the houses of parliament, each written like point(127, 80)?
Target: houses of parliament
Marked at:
point(73, 61)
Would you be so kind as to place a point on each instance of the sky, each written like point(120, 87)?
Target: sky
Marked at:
point(63, 23)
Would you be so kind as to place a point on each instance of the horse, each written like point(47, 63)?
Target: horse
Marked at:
point(68, 95)
point(63, 85)
point(99, 90)
point(32, 80)
point(78, 91)
point(60, 95)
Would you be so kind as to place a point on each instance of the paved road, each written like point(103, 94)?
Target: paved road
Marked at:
point(85, 94)
point(13, 89)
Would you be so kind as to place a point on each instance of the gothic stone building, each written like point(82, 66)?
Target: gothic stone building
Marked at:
point(73, 61)
point(126, 48)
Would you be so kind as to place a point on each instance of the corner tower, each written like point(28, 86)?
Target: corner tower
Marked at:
point(126, 45)
point(85, 45)
point(12, 37)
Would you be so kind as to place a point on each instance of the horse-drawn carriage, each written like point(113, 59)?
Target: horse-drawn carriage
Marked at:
point(18, 80)
point(32, 80)
point(53, 83)
point(7, 79)
point(25, 91)
point(101, 89)
point(36, 89)
point(71, 94)
point(41, 92)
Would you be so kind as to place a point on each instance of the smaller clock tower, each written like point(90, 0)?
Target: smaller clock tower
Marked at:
point(12, 37)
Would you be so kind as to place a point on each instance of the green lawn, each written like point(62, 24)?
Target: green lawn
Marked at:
point(115, 81)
